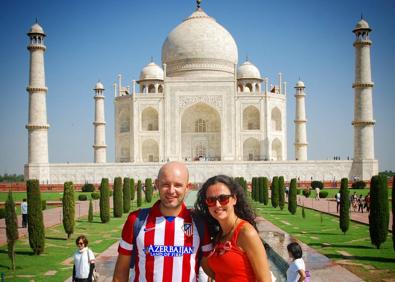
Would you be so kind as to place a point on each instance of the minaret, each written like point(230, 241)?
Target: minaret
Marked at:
point(99, 146)
point(37, 124)
point(363, 109)
point(300, 123)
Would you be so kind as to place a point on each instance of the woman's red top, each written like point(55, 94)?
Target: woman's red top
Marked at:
point(229, 262)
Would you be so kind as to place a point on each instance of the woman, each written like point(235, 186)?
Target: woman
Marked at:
point(84, 261)
point(296, 271)
point(238, 253)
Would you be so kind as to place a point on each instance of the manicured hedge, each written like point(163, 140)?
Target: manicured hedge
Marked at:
point(358, 184)
point(35, 225)
point(69, 208)
point(88, 187)
point(82, 197)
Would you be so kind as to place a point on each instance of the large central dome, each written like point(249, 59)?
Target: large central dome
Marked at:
point(199, 46)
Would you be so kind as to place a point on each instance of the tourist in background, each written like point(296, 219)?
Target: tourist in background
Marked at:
point(337, 201)
point(296, 271)
point(238, 254)
point(84, 261)
point(24, 213)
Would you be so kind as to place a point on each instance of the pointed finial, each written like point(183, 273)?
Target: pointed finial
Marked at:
point(152, 59)
point(36, 20)
point(247, 58)
point(361, 16)
point(198, 2)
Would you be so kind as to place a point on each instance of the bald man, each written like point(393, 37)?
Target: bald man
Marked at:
point(168, 242)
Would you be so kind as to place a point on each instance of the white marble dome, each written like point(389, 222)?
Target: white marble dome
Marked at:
point(248, 71)
point(362, 24)
point(299, 84)
point(151, 72)
point(99, 86)
point(36, 29)
point(199, 45)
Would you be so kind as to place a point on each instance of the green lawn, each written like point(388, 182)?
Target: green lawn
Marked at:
point(59, 250)
point(314, 233)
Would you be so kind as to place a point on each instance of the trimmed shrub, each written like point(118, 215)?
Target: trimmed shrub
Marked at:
point(90, 211)
point(2, 213)
point(344, 217)
point(303, 212)
point(36, 228)
point(316, 183)
point(88, 187)
point(298, 191)
point(69, 208)
point(139, 193)
point(95, 195)
point(104, 201)
point(265, 184)
point(306, 192)
point(11, 223)
point(379, 210)
point(358, 184)
point(117, 199)
point(275, 192)
point(292, 204)
point(82, 197)
point(254, 188)
point(126, 195)
point(323, 194)
point(43, 205)
point(132, 189)
point(148, 190)
point(281, 192)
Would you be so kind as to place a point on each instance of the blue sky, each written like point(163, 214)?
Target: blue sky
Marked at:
point(97, 39)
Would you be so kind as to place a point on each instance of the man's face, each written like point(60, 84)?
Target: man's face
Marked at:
point(172, 185)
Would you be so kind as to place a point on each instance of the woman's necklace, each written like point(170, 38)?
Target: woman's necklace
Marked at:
point(223, 236)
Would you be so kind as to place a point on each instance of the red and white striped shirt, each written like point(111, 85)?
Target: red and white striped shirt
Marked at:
point(167, 247)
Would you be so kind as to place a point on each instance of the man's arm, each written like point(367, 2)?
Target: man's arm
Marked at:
point(122, 268)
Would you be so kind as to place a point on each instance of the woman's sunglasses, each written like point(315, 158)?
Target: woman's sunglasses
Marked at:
point(222, 199)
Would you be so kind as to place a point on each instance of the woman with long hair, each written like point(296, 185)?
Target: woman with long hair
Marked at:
point(238, 254)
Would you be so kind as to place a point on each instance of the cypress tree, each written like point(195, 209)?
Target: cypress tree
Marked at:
point(253, 188)
point(265, 184)
point(139, 194)
point(260, 189)
point(90, 211)
point(117, 197)
point(126, 195)
point(148, 190)
point(292, 196)
point(68, 208)
point(303, 212)
point(36, 228)
point(393, 211)
point(132, 189)
point(281, 194)
point(379, 210)
point(104, 201)
point(11, 222)
point(275, 192)
point(344, 218)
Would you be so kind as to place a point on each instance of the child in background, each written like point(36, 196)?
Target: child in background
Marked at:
point(296, 271)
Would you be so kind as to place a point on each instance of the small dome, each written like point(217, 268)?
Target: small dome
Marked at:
point(362, 24)
point(299, 84)
point(99, 86)
point(248, 70)
point(36, 29)
point(151, 72)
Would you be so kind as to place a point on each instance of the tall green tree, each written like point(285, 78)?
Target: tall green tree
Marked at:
point(68, 208)
point(265, 184)
point(126, 195)
point(90, 211)
point(281, 192)
point(275, 192)
point(132, 189)
point(253, 188)
point(259, 184)
point(148, 190)
point(379, 210)
point(36, 228)
point(117, 197)
point(104, 201)
point(292, 197)
point(11, 223)
point(344, 217)
point(139, 193)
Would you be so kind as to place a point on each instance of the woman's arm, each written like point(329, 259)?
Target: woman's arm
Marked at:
point(250, 243)
point(302, 274)
point(206, 268)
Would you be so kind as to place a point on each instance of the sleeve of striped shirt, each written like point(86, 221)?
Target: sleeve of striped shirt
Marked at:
point(207, 246)
point(126, 243)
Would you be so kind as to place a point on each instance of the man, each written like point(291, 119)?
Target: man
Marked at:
point(337, 201)
point(168, 242)
point(317, 193)
point(24, 213)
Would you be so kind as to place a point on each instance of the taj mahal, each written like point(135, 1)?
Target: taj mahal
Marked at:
point(205, 108)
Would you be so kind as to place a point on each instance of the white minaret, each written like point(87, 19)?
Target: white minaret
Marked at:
point(363, 109)
point(99, 146)
point(37, 124)
point(300, 123)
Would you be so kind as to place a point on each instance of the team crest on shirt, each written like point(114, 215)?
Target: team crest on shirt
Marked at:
point(188, 229)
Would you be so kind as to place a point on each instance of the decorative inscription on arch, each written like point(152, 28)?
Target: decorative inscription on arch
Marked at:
point(186, 101)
